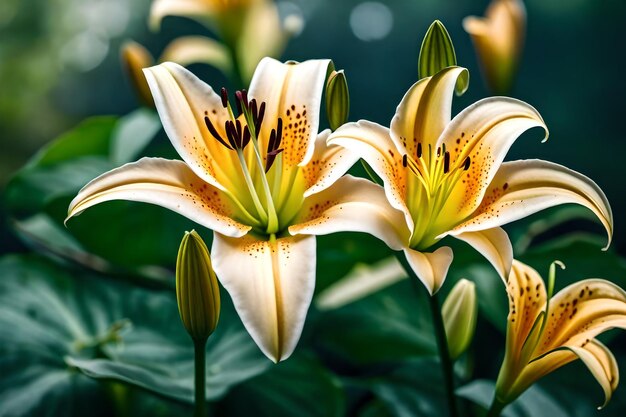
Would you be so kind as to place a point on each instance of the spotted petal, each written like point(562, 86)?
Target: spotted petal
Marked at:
point(169, 184)
point(425, 110)
point(352, 204)
point(292, 92)
point(602, 365)
point(521, 188)
point(271, 285)
point(372, 142)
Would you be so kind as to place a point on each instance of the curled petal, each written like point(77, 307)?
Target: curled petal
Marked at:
point(169, 184)
point(292, 92)
point(372, 142)
point(430, 268)
point(602, 365)
point(425, 110)
point(187, 50)
point(271, 284)
point(186, 8)
point(329, 162)
point(495, 245)
point(183, 101)
point(352, 204)
point(521, 188)
point(477, 140)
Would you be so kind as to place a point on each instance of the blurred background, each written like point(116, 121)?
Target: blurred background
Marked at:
point(60, 62)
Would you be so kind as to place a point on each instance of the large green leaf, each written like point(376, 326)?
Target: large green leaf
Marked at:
point(55, 327)
point(299, 386)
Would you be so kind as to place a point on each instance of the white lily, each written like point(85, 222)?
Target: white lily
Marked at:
point(448, 178)
point(256, 180)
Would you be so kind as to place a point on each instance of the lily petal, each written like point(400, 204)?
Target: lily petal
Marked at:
point(521, 188)
point(352, 204)
point(183, 100)
point(292, 92)
point(271, 285)
point(483, 132)
point(495, 245)
point(581, 311)
point(430, 268)
point(602, 365)
point(327, 165)
point(425, 110)
point(187, 50)
point(372, 142)
point(169, 184)
point(186, 8)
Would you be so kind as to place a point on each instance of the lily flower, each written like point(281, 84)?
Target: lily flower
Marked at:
point(253, 179)
point(498, 40)
point(545, 332)
point(448, 178)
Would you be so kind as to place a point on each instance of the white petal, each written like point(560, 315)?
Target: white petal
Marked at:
point(372, 142)
point(493, 244)
point(521, 188)
point(430, 268)
point(187, 8)
point(292, 92)
point(329, 162)
point(187, 50)
point(425, 110)
point(271, 285)
point(182, 101)
point(356, 205)
point(602, 365)
point(169, 184)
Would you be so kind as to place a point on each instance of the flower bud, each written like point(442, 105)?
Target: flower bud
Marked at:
point(437, 53)
point(459, 317)
point(337, 99)
point(498, 40)
point(134, 59)
point(197, 291)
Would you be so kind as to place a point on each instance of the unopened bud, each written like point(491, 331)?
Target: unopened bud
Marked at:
point(337, 99)
point(134, 59)
point(197, 291)
point(437, 53)
point(459, 313)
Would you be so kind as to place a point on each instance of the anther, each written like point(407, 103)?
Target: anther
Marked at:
point(214, 132)
point(239, 101)
point(231, 133)
point(259, 118)
point(466, 164)
point(419, 150)
point(279, 132)
point(224, 94)
point(439, 151)
point(446, 162)
point(246, 137)
point(405, 161)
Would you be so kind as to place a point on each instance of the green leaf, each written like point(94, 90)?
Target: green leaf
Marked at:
point(54, 325)
point(132, 134)
point(299, 386)
point(437, 53)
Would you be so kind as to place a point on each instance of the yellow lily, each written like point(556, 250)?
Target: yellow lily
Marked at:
point(545, 332)
point(447, 176)
point(498, 40)
point(252, 29)
point(253, 179)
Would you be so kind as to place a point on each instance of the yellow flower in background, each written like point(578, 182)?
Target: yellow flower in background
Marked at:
point(545, 333)
point(251, 29)
point(499, 40)
point(448, 178)
point(134, 59)
point(258, 180)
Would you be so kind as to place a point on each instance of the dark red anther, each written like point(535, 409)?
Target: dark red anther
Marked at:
point(231, 133)
point(272, 141)
point(239, 101)
point(279, 132)
point(254, 110)
point(259, 118)
point(244, 98)
point(246, 137)
point(467, 163)
point(224, 94)
point(214, 132)
point(419, 150)
point(446, 162)
point(439, 151)
point(405, 160)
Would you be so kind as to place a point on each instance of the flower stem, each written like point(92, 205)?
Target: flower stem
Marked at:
point(440, 335)
point(496, 408)
point(200, 377)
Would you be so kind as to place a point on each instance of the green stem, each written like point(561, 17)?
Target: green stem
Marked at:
point(440, 335)
point(496, 408)
point(200, 377)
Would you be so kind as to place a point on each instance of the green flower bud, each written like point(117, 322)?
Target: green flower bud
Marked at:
point(459, 313)
point(197, 292)
point(337, 99)
point(134, 59)
point(437, 53)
